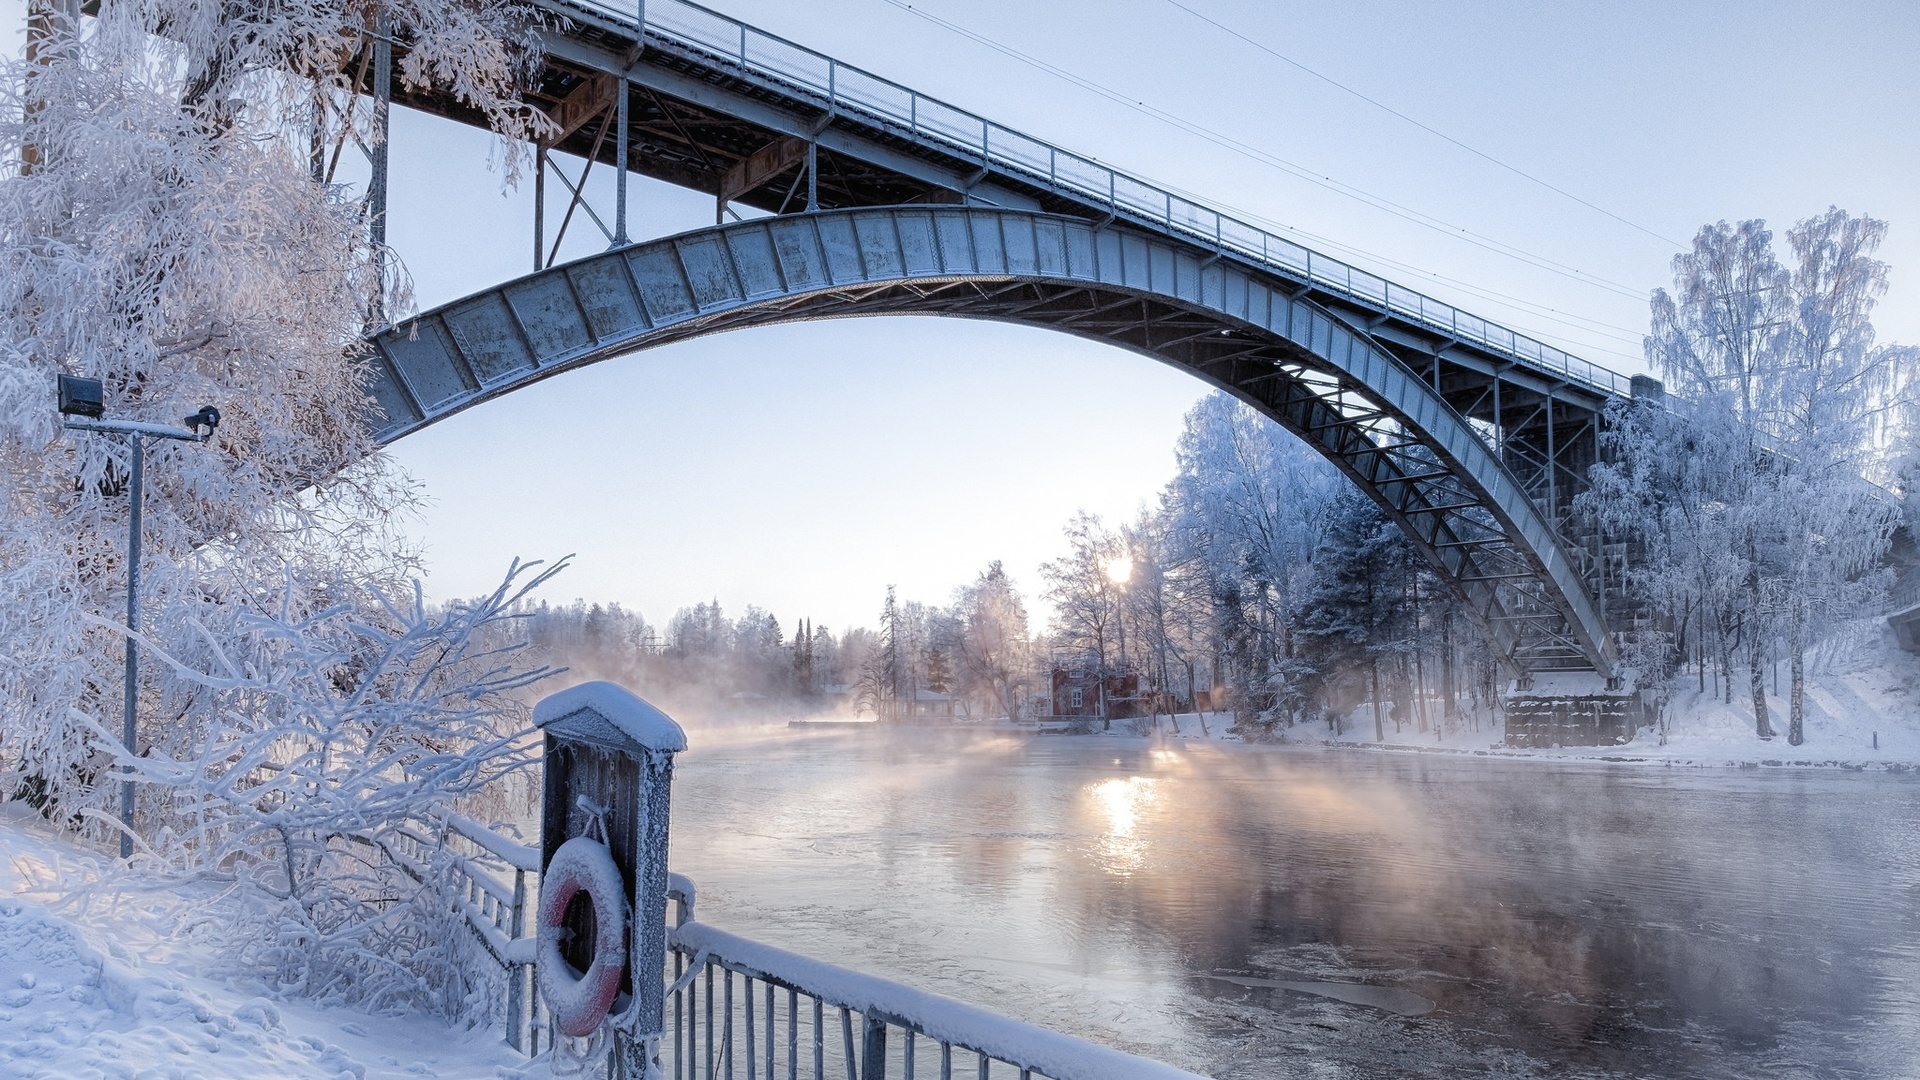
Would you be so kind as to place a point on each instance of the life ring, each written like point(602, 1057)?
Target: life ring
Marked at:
point(577, 1001)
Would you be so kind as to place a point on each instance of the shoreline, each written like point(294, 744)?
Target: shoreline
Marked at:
point(1619, 755)
point(1625, 754)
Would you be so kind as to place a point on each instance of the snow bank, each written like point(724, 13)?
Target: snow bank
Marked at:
point(1860, 714)
point(68, 1010)
point(103, 975)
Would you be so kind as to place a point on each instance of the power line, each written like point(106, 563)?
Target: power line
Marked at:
point(1626, 334)
point(1384, 107)
point(1264, 157)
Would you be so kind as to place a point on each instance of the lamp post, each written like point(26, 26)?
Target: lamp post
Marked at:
point(83, 402)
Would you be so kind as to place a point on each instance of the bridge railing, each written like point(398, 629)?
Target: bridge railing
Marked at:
point(841, 88)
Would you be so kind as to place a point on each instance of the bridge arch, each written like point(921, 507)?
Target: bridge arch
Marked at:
point(1255, 335)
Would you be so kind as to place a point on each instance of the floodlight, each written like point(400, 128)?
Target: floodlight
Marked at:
point(82, 397)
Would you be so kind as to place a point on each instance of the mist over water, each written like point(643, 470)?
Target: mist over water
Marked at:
point(1277, 912)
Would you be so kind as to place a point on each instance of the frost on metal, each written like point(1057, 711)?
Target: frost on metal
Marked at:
point(629, 714)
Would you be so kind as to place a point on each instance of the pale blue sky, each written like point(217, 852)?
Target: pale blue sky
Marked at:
point(804, 468)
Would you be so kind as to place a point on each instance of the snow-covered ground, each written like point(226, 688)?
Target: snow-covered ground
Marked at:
point(102, 974)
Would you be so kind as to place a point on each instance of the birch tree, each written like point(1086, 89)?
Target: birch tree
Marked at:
point(1841, 401)
point(1084, 595)
point(1751, 497)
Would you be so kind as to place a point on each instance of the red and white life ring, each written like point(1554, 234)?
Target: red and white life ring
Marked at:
point(578, 1002)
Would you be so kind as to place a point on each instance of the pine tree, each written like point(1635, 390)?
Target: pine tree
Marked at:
point(882, 676)
point(1354, 607)
point(938, 678)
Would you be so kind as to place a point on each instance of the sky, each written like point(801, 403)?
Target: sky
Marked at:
point(805, 468)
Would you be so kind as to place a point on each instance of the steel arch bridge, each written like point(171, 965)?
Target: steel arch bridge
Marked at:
point(1255, 334)
point(1474, 438)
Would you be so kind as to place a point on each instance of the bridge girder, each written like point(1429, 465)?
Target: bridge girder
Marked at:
point(1254, 335)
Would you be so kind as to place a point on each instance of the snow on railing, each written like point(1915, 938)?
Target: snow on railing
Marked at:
point(492, 887)
point(512, 852)
point(797, 1017)
point(845, 90)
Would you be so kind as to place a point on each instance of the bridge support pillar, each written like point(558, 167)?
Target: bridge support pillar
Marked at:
point(539, 207)
point(1573, 708)
point(813, 175)
point(621, 164)
point(377, 179)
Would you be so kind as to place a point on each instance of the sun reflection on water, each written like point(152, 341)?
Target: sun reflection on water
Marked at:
point(1122, 851)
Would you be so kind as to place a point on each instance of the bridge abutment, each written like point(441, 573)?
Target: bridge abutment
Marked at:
point(1556, 709)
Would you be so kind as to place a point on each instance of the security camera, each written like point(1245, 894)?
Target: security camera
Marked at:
point(208, 417)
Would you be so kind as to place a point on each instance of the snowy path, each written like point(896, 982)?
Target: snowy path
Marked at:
point(97, 980)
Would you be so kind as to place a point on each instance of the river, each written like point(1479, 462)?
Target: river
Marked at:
point(1428, 915)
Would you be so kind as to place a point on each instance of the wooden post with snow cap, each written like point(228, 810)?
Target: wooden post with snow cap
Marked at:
point(609, 771)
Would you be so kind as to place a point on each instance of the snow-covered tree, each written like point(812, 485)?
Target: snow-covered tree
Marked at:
point(1149, 606)
point(1085, 596)
point(1245, 512)
point(1254, 499)
point(1750, 500)
point(993, 648)
point(1356, 609)
point(1843, 403)
point(313, 761)
point(163, 233)
point(1267, 573)
point(883, 672)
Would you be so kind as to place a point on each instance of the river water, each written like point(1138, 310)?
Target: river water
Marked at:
point(1428, 915)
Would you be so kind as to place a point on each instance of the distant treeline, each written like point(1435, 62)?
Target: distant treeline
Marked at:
point(1264, 586)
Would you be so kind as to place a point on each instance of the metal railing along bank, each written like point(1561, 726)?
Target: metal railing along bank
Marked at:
point(494, 883)
point(801, 1019)
point(845, 90)
point(740, 1010)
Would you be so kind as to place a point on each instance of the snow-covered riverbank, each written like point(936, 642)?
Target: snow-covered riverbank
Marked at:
point(104, 973)
point(1862, 712)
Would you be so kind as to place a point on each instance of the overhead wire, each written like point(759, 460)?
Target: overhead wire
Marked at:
point(1625, 334)
point(1255, 153)
point(1429, 129)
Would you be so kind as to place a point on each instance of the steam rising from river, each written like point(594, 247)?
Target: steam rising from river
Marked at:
point(1557, 916)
